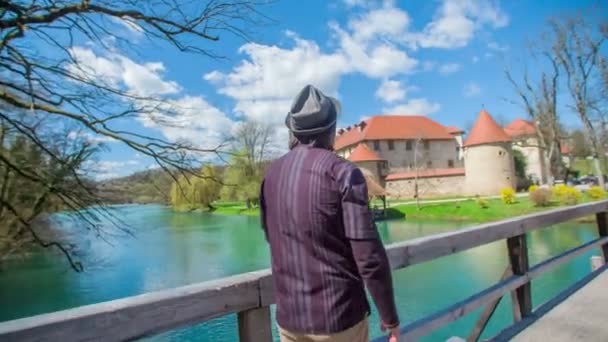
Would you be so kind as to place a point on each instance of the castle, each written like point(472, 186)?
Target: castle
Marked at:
point(400, 153)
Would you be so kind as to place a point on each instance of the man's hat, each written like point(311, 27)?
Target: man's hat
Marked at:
point(312, 112)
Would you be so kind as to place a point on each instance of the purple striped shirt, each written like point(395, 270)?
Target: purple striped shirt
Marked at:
point(324, 246)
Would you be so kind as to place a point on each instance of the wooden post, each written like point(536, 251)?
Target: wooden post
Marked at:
point(255, 325)
point(602, 227)
point(518, 257)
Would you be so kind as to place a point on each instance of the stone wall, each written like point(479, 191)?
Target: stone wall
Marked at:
point(427, 187)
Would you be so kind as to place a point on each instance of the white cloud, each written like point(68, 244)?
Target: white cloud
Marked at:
point(475, 59)
point(130, 25)
point(90, 137)
point(388, 22)
point(455, 23)
point(390, 91)
point(189, 119)
point(118, 70)
point(494, 46)
point(449, 68)
point(179, 118)
point(417, 106)
point(106, 169)
point(471, 89)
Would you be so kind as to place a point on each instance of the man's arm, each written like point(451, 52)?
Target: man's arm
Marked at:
point(263, 211)
point(368, 251)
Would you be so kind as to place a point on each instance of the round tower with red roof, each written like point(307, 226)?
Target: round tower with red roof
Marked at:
point(488, 159)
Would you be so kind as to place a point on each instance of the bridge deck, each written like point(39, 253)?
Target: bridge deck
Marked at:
point(581, 317)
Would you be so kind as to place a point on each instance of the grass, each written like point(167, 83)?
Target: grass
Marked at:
point(585, 166)
point(469, 210)
point(234, 208)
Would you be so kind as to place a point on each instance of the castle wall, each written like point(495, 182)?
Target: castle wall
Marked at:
point(427, 187)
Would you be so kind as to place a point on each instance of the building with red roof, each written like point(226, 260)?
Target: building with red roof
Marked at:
point(489, 165)
point(525, 140)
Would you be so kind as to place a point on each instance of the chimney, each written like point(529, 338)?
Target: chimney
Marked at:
point(348, 128)
point(362, 125)
point(340, 131)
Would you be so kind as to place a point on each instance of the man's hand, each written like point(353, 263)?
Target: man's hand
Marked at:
point(393, 335)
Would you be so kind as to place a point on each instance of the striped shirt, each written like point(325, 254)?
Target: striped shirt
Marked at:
point(324, 245)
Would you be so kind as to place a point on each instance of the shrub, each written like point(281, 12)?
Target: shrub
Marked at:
point(596, 193)
point(541, 197)
point(566, 194)
point(559, 191)
point(483, 203)
point(532, 188)
point(507, 195)
point(571, 196)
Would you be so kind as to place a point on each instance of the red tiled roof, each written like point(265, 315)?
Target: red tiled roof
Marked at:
point(426, 174)
point(384, 127)
point(520, 127)
point(486, 131)
point(362, 153)
point(454, 130)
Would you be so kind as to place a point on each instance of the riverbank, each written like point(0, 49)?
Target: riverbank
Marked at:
point(471, 211)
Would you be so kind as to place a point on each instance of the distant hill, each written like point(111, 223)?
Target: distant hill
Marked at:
point(150, 186)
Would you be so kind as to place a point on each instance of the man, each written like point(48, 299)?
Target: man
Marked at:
point(324, 245)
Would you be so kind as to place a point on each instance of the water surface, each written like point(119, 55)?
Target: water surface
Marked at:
point(171, 249)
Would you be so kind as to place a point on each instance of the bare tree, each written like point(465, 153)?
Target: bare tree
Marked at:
point(577, 47)
point(46, 87)
point(539, 100)
point(254, 138)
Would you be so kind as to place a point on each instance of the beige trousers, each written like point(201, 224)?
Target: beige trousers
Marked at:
point(357, 333)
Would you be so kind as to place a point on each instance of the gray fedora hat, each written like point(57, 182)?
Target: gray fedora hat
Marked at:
point(312, 112)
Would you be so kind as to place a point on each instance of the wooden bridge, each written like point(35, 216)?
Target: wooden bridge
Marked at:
point(250, 295)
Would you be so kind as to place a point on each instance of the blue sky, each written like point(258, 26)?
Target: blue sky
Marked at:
point(441, 58)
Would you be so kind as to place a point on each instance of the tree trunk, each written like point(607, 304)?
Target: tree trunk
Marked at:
point(598, 171)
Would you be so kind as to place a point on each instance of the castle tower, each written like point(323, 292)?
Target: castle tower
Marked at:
point(369, 162)
point(488, 159)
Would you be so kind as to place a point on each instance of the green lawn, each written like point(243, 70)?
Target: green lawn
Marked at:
point(234, 208)
point(469, 210)
point(585, 166)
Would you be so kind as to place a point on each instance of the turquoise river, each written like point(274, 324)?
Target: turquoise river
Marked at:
point(170, 249)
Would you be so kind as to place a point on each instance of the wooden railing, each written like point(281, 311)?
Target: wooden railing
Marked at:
point(250, 294)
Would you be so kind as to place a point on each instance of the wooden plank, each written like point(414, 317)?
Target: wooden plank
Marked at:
point(139, 316)
point(255, 325)
point(266, 289)
point(420, 250)
point(483, 320)
point(518, 257)
point(602, 227)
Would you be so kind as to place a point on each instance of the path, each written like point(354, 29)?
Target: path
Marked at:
point(581, 317)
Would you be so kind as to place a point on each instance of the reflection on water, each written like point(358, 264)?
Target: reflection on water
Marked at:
point(171, 249)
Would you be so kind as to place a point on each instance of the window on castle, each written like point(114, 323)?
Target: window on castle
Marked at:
point(429, 164)
point(427, 145)
point(408, 145)
point(450, 163)
point(391, 145)
point(376, 145)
